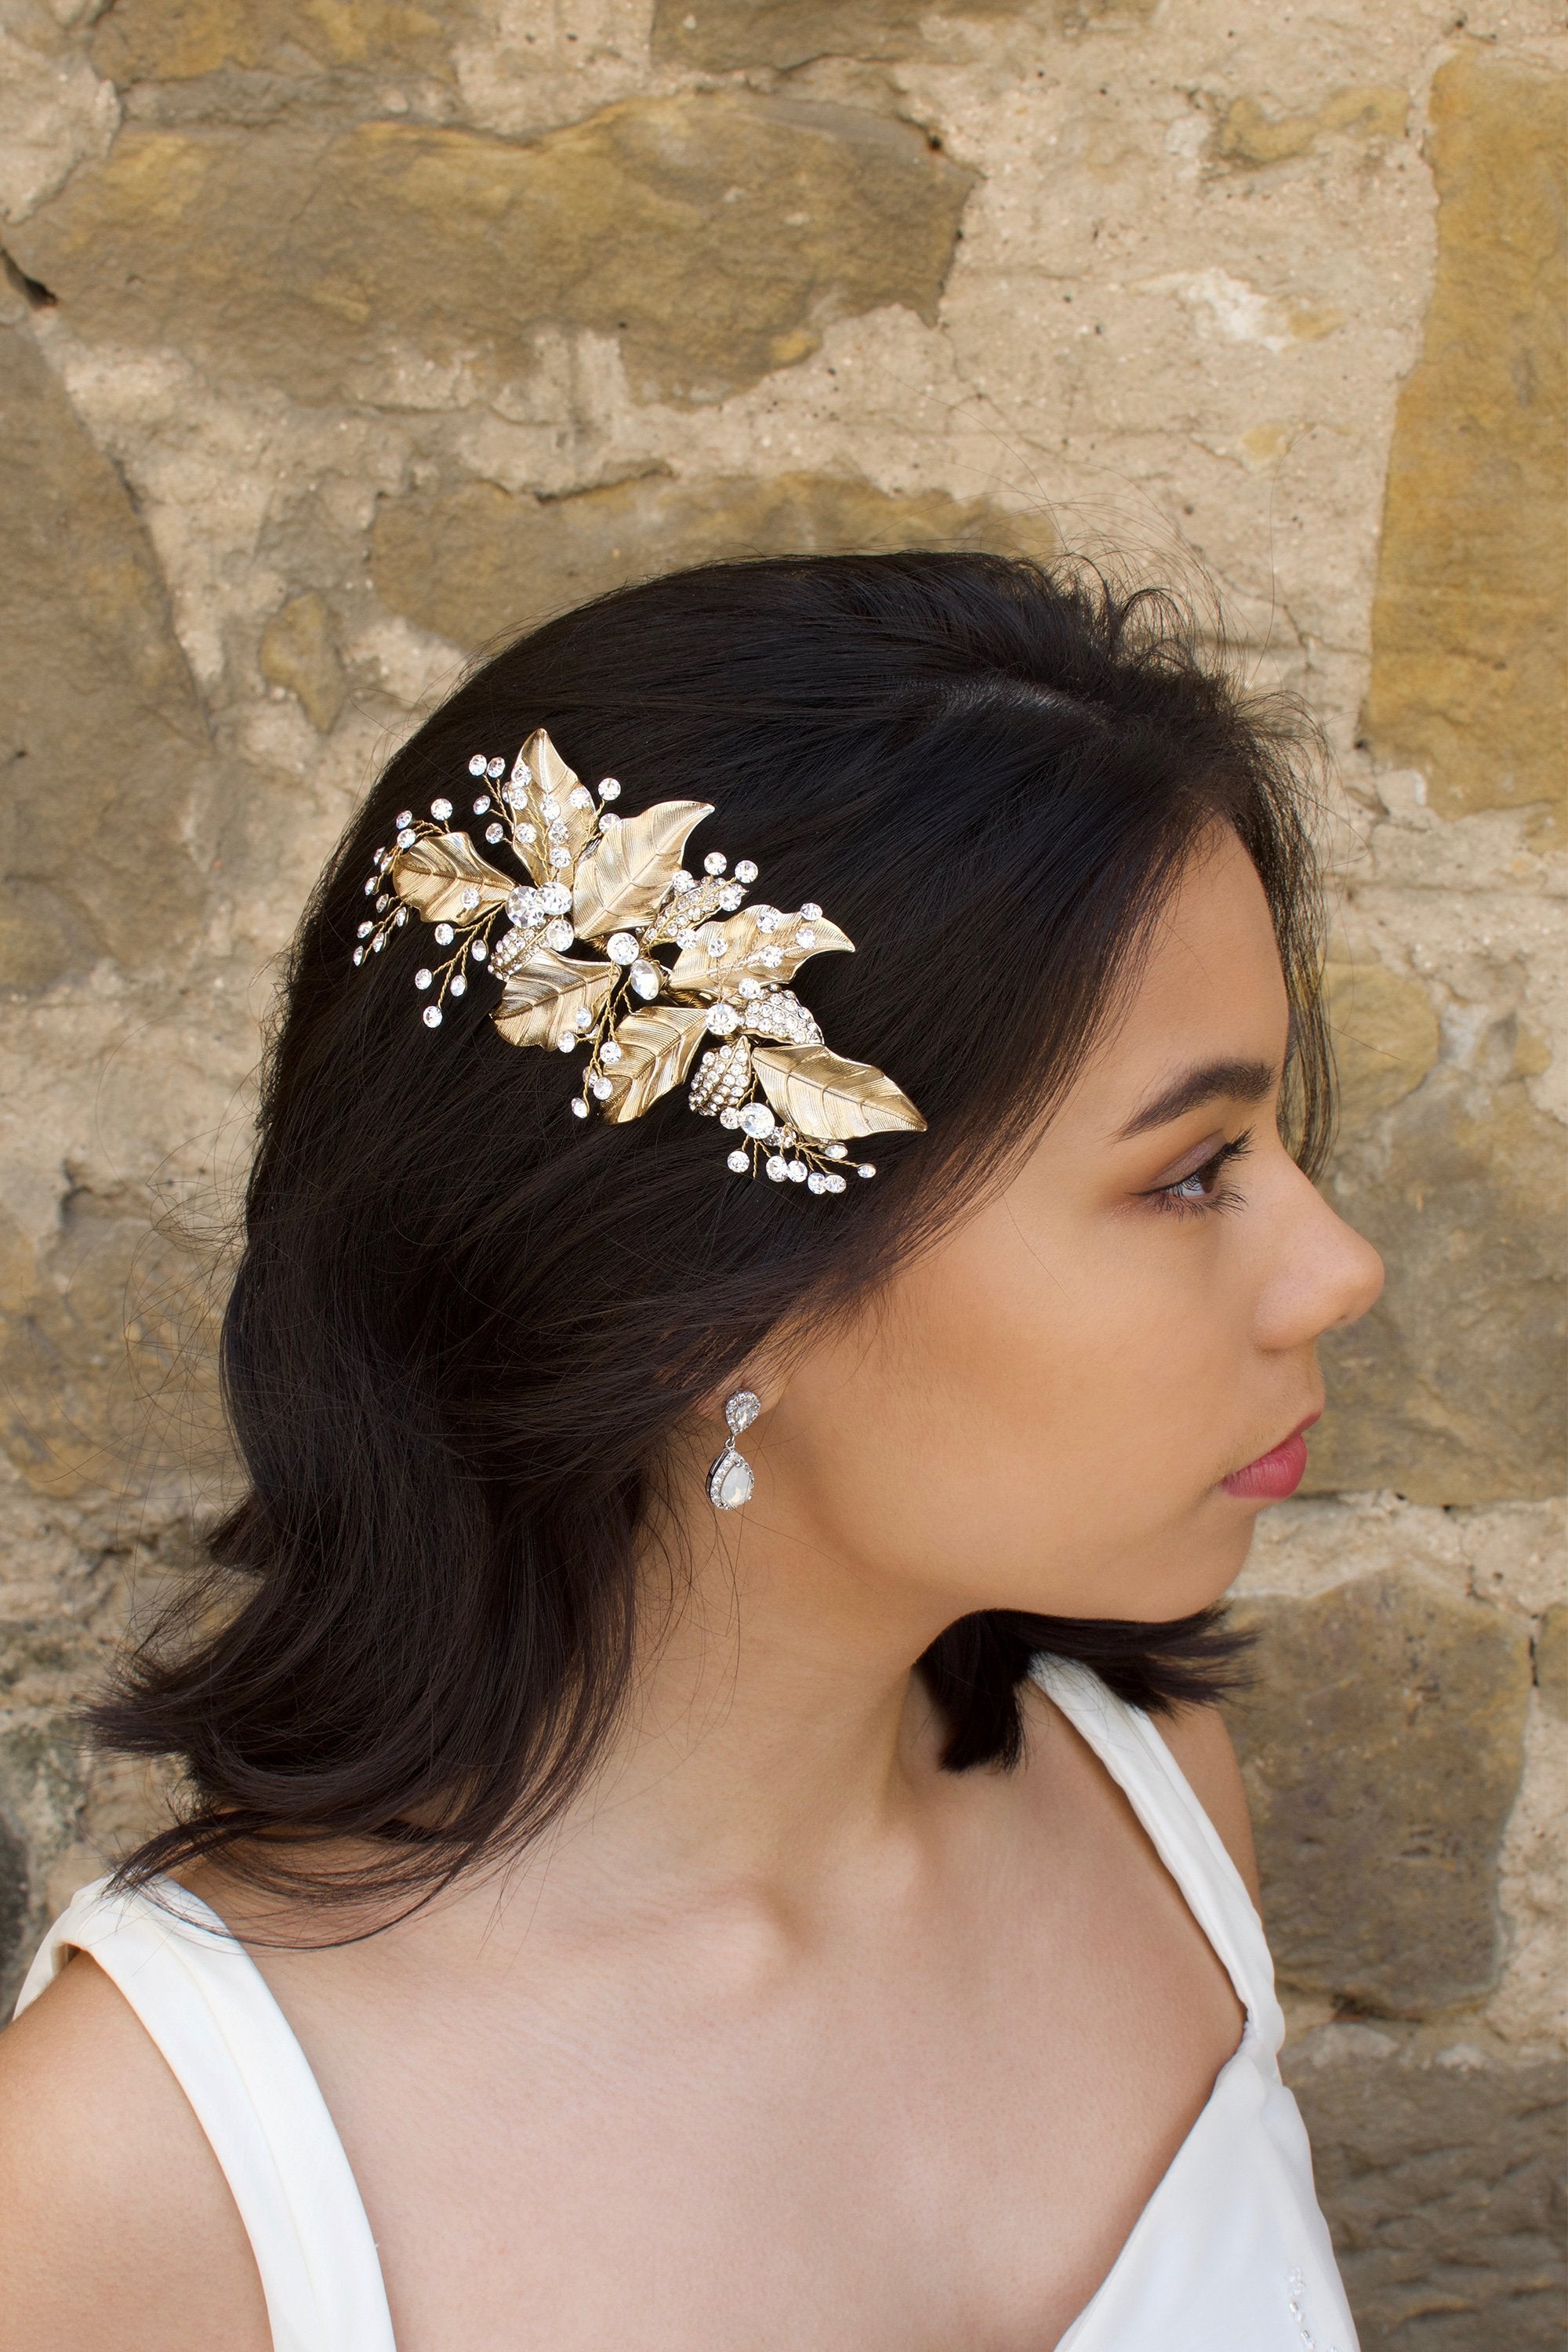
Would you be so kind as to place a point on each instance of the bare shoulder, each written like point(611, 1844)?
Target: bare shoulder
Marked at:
point(1198, 1739)
point(117, 2228)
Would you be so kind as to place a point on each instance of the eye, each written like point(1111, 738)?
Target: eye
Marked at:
point(1203, 1188)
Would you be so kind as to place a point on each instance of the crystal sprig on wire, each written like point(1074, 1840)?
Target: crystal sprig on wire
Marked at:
point(616, 888)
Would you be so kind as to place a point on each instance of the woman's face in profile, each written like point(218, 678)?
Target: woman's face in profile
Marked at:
point(1058, 1408)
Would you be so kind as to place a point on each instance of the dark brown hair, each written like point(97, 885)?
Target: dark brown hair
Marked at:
point(465, 1325)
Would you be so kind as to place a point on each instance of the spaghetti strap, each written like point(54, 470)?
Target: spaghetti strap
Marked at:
point(1129, 1746)
point(208, 2008)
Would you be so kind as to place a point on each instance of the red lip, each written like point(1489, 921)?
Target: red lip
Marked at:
point(1276, 1474)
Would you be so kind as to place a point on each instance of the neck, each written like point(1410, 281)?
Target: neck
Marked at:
point(776, 1726)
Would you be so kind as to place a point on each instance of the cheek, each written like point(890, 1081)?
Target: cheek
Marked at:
point(1016, 1389)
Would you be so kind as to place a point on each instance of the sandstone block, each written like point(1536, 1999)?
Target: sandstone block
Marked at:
point(725, 34)
point(101, 735)
point(178, 40)
point(715, 234)
point(479, 562)
point(298, 650)
point(105, 1352)
point(1439, 2169)
point(1382, 1746)
point(1470, 628)
point(1451, 1390)
point(1385, 1037)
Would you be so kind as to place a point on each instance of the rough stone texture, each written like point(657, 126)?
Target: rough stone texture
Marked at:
point(1451, 1388)
point(1383, 1744)
point(377, 329)
point(101, 733)
point(715, 236)
point(477, 563)
point(1427, 2148)
point(1469, 625)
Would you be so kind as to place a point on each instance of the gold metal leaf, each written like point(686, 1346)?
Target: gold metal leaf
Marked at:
point(620, 883)
point(433, 874)
point(829, 1100)
point(657, 1048)
point(543, 996)
point(696, 973)
point(551, 778)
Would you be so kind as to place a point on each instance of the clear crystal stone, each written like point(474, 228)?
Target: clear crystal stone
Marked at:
point(495, 767)
point(369, 885)
point(424, 976)
point(440, 811)
point(459, 986)
point(686, 941)
point(358, 955)
point(609, 789)
point(443, 935)
point(749, 987)
point(559, 853)
point(401, 916)
point(767, 918)
point(527, 832)
point(835, 1151)
point(679, 882)
point(404, 816)
point(555, 898)
point(816, 1181)
point(364, 930)
point(382, 903)
point(548, 806)
point(797, 1171)
point(565, 1045)
point(470, 898)
point(378, 942)
point(745, 870)
point(722, 1020)
point(645, 977)
point(477, 764)
point(715, 862)
point(807, 938)
point(602, 1088)
point(432, 1016)
point(494, 833)
point(771, 958)
point(729, 1116)
point(741, 1410)
point(811, 912)
point(579, 1108)
point(523, 903)
point(757, 1119)
point(778, 1169)
point(478, 950)
point(731, 897)
point(481, 804)
point(405, 839)
point(579, 797)
point(521, 773)
point(558, 934)
point(621, 948)
point(739, 1162)
point(866, 1169)
point(608, 821)
point(713, 938)
point(835, 1183)
point(610, 1051)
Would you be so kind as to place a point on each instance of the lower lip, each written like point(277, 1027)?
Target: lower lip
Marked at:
point(1273, 1475)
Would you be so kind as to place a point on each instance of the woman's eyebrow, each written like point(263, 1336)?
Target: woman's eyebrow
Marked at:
point(1206, 1082)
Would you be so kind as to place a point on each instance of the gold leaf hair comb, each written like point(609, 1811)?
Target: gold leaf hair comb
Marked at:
point(615, 888)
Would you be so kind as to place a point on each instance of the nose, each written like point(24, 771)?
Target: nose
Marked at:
point(1323, 1274)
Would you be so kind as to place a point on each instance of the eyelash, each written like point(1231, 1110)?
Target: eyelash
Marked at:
point(1171, 1197)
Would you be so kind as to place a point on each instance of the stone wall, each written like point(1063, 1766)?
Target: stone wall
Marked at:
point(338, 340)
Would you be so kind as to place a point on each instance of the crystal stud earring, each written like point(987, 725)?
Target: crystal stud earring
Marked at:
point(730, 1481)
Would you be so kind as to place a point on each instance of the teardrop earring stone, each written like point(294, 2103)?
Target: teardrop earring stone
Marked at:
point(730, 1482)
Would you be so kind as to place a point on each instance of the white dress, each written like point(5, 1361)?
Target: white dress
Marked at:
point(1230, 2255)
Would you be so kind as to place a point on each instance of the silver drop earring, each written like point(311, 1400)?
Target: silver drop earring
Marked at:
point(730, 1481)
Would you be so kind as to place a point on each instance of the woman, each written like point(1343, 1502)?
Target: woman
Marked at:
point(677, 1749)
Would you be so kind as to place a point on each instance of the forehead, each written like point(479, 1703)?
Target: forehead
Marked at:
point(1209, 989)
